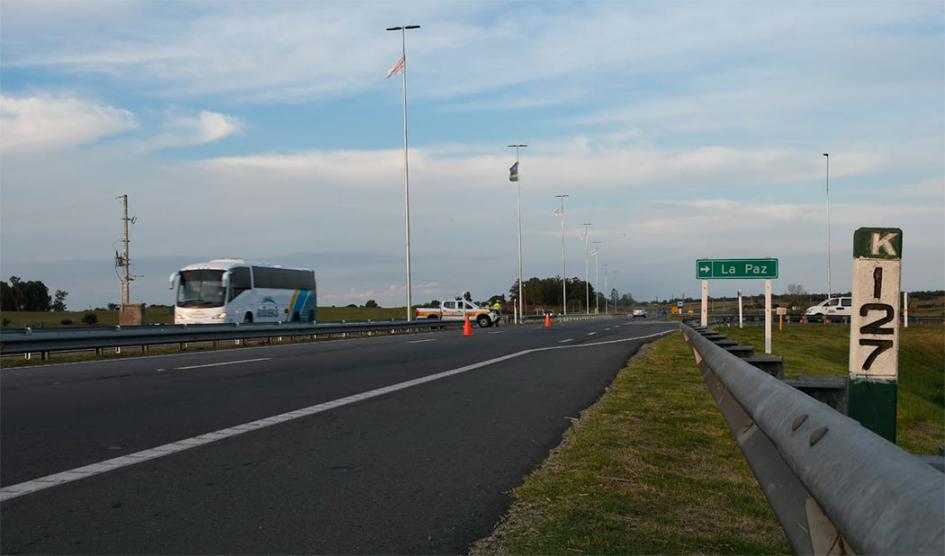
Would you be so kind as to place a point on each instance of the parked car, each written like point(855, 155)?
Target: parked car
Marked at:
point(836, 306)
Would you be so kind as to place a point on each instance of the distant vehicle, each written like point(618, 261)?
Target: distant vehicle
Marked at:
point(639, 313)
point(232, 290)
point(459, 309)
point(841, 306)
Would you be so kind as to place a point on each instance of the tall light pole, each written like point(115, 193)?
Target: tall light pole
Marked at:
point(513, 176)
point(597, 275)
point(564, 276)
point(829, 289)
point(605, 288)
point(587, 268)
point(403, 69)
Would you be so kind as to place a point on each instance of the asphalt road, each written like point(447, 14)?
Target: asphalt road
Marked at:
point(418, 469)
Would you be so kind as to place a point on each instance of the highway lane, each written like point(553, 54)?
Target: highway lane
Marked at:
point(58, 417)
point(424, 449)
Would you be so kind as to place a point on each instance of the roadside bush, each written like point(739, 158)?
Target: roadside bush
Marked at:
point(5, 321)
point(89, 318)
point(68, 321)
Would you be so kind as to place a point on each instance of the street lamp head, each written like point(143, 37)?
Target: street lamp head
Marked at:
point(402, 28)
point(826, 154)
point(513, 146)
point(562, 196)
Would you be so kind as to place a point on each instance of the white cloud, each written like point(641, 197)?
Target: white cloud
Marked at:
point(182, 131)
point(48, 122)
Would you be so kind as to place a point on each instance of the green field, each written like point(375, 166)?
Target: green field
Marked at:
point(162, 315)
point(651, 468)
point(824, 350)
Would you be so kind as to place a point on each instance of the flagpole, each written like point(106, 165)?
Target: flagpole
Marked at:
point(403, 53)
point(521, 289)
point(564, 275)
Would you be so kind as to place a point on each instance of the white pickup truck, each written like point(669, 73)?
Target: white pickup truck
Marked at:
point(458, 309)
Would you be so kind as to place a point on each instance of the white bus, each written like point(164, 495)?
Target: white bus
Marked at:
point(232, 290)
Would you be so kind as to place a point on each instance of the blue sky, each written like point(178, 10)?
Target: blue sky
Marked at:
point(267, 130)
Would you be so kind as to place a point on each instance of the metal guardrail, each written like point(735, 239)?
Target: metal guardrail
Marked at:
point(835, 486)
point(754, 318)
point(46, 340)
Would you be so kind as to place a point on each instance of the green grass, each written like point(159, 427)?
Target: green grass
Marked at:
point(824, 350)
point(651, 468)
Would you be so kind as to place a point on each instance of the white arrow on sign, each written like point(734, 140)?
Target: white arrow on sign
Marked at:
point(704, 268)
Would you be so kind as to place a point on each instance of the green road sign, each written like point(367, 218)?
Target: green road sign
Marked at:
point(741, 269)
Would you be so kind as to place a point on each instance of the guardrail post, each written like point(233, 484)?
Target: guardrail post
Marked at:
point(44, 356)
point(144, 348)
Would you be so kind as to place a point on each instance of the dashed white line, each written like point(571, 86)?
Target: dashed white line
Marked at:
point(591, 333)
point(566, 341)
point(220, 364)
point(42, 483)
point(421, 341)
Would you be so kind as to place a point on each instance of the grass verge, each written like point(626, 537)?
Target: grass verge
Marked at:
point(824, 350)
point(650, 468)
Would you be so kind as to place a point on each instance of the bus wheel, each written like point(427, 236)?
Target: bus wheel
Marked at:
point(248, 318)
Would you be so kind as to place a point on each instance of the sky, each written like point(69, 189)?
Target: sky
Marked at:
point(269, 131)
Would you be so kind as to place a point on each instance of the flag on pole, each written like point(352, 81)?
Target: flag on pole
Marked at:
point(513, 172)
point(583, 235)
point(559, 211)
point(594, 252)
point(396, 68)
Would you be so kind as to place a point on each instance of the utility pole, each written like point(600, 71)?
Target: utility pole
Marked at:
point(124, 260)
point(597, 294)
point(513, 176)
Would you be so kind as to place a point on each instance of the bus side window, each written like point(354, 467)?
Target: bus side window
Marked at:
point(239, 281)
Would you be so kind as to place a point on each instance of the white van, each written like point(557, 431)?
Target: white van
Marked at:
point(839, 306)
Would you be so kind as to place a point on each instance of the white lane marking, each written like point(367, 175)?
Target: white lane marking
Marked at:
point(221, 363)
point(607, 330)
point(421, 341)
point(497, 332)
point(28, 487)
point(591, 333)
point(566, 341)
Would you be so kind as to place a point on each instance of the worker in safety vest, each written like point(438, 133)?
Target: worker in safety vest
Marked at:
point(497, 307)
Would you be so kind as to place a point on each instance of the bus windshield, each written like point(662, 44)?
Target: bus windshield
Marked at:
point(201, 288)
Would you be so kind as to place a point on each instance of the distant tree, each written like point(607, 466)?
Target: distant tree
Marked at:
point(795, 289)
point(371, 304)
point(112, 306)
point(24, 296)
point(59, 304)
point(89, 319)
point(351, 306)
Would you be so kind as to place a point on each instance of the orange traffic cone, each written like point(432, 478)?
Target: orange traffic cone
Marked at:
point(467, 328)
point(547, 320)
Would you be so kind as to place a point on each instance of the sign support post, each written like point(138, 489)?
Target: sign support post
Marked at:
point(741, 323)
point(767, 316)
point(905, 309)
point(705, 303)
point(874, 329)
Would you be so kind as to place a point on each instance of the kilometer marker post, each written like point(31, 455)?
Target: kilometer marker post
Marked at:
point(874, 329)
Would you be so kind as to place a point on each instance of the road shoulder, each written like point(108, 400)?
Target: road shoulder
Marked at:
point(650, 468)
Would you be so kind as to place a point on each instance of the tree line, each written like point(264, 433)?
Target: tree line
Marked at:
point(32, 295)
